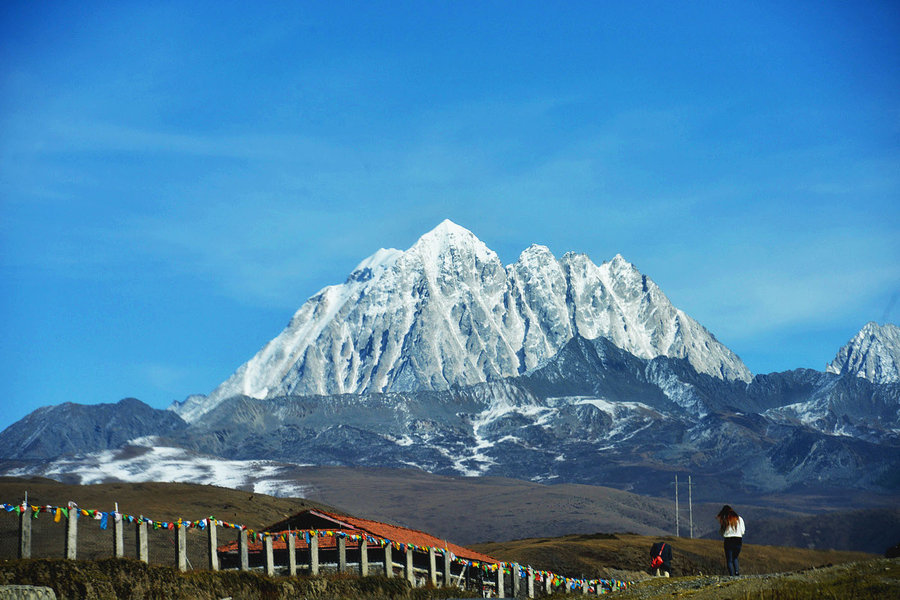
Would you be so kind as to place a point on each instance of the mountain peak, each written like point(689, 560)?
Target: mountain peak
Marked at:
point(448, 232)
point(618, 263)
point(873, 353)
point(448, 226)
point(536, 252)
point(446, 312)
point(444, 246)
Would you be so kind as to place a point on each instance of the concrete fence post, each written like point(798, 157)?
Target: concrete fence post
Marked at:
point(118, 535)
point(142, 544)
point(243, 550)
point(212, 537)
point(410, 574)
point(342, 554)
point(181, 547)
point(25, 531)
point(529, 585)
point(514, 569)
point(548, 585)
point(363, 557)
point(388, 560)
point(292, 554)
point(500, 578)
point(270, 555)
point(432, 566)
point(72, 532)
point(448, 572)
point(314, 554)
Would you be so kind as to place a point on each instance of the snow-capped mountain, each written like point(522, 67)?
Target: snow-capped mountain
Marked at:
point(548, 370)
point(446, 312)
point(873, 353)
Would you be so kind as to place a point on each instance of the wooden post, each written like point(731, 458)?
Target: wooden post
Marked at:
point(410, 574)
point(342, 554)
point(212, 536)
point(25, 530)
point(292, 554)
point(243, 550)
point(363, 557)
point(72, 532)
point(529, 585)
point(448, 573)
point(182, 547)
point(270, 555)
point(314, 554)
point(432, 566)
point(500, 591)
point(118, 539)
point(388, 561)
point(514, 568)
point(142, 545)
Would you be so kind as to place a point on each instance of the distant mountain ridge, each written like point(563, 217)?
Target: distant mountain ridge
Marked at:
point(447, 313)
point(69, 428)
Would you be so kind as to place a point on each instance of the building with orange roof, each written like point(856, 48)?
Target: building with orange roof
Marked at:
point(324, 541)
point(343, 542)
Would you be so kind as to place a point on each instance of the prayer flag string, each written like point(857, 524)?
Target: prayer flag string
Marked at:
point(59, 512)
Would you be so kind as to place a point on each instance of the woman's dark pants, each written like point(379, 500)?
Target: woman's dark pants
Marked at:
point(732, 551)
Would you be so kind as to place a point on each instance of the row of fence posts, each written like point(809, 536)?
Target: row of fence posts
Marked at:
point(142, 553)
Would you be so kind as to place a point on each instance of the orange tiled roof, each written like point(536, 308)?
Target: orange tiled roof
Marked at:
point(355, 526)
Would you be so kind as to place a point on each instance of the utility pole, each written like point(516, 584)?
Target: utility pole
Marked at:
point(676, 507)
point(690, 507)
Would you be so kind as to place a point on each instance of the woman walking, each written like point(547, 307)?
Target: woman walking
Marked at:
point(731, 526)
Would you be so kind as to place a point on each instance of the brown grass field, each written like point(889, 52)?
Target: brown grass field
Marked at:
point(698, 565)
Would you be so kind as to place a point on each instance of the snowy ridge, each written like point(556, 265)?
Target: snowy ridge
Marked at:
point(873, 353)
point(446, 312)
point(142, 460)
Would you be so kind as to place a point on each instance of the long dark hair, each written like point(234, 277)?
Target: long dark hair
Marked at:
point(727, 518)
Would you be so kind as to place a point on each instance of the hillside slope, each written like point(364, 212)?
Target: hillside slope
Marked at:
point(626, 556)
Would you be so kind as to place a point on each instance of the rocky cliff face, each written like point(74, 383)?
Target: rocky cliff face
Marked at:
point(447, 313)
point(873, 353)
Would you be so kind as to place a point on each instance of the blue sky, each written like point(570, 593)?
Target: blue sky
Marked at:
point(176, 179)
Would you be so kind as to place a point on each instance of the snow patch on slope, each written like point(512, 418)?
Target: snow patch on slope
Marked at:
point(141, 460)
